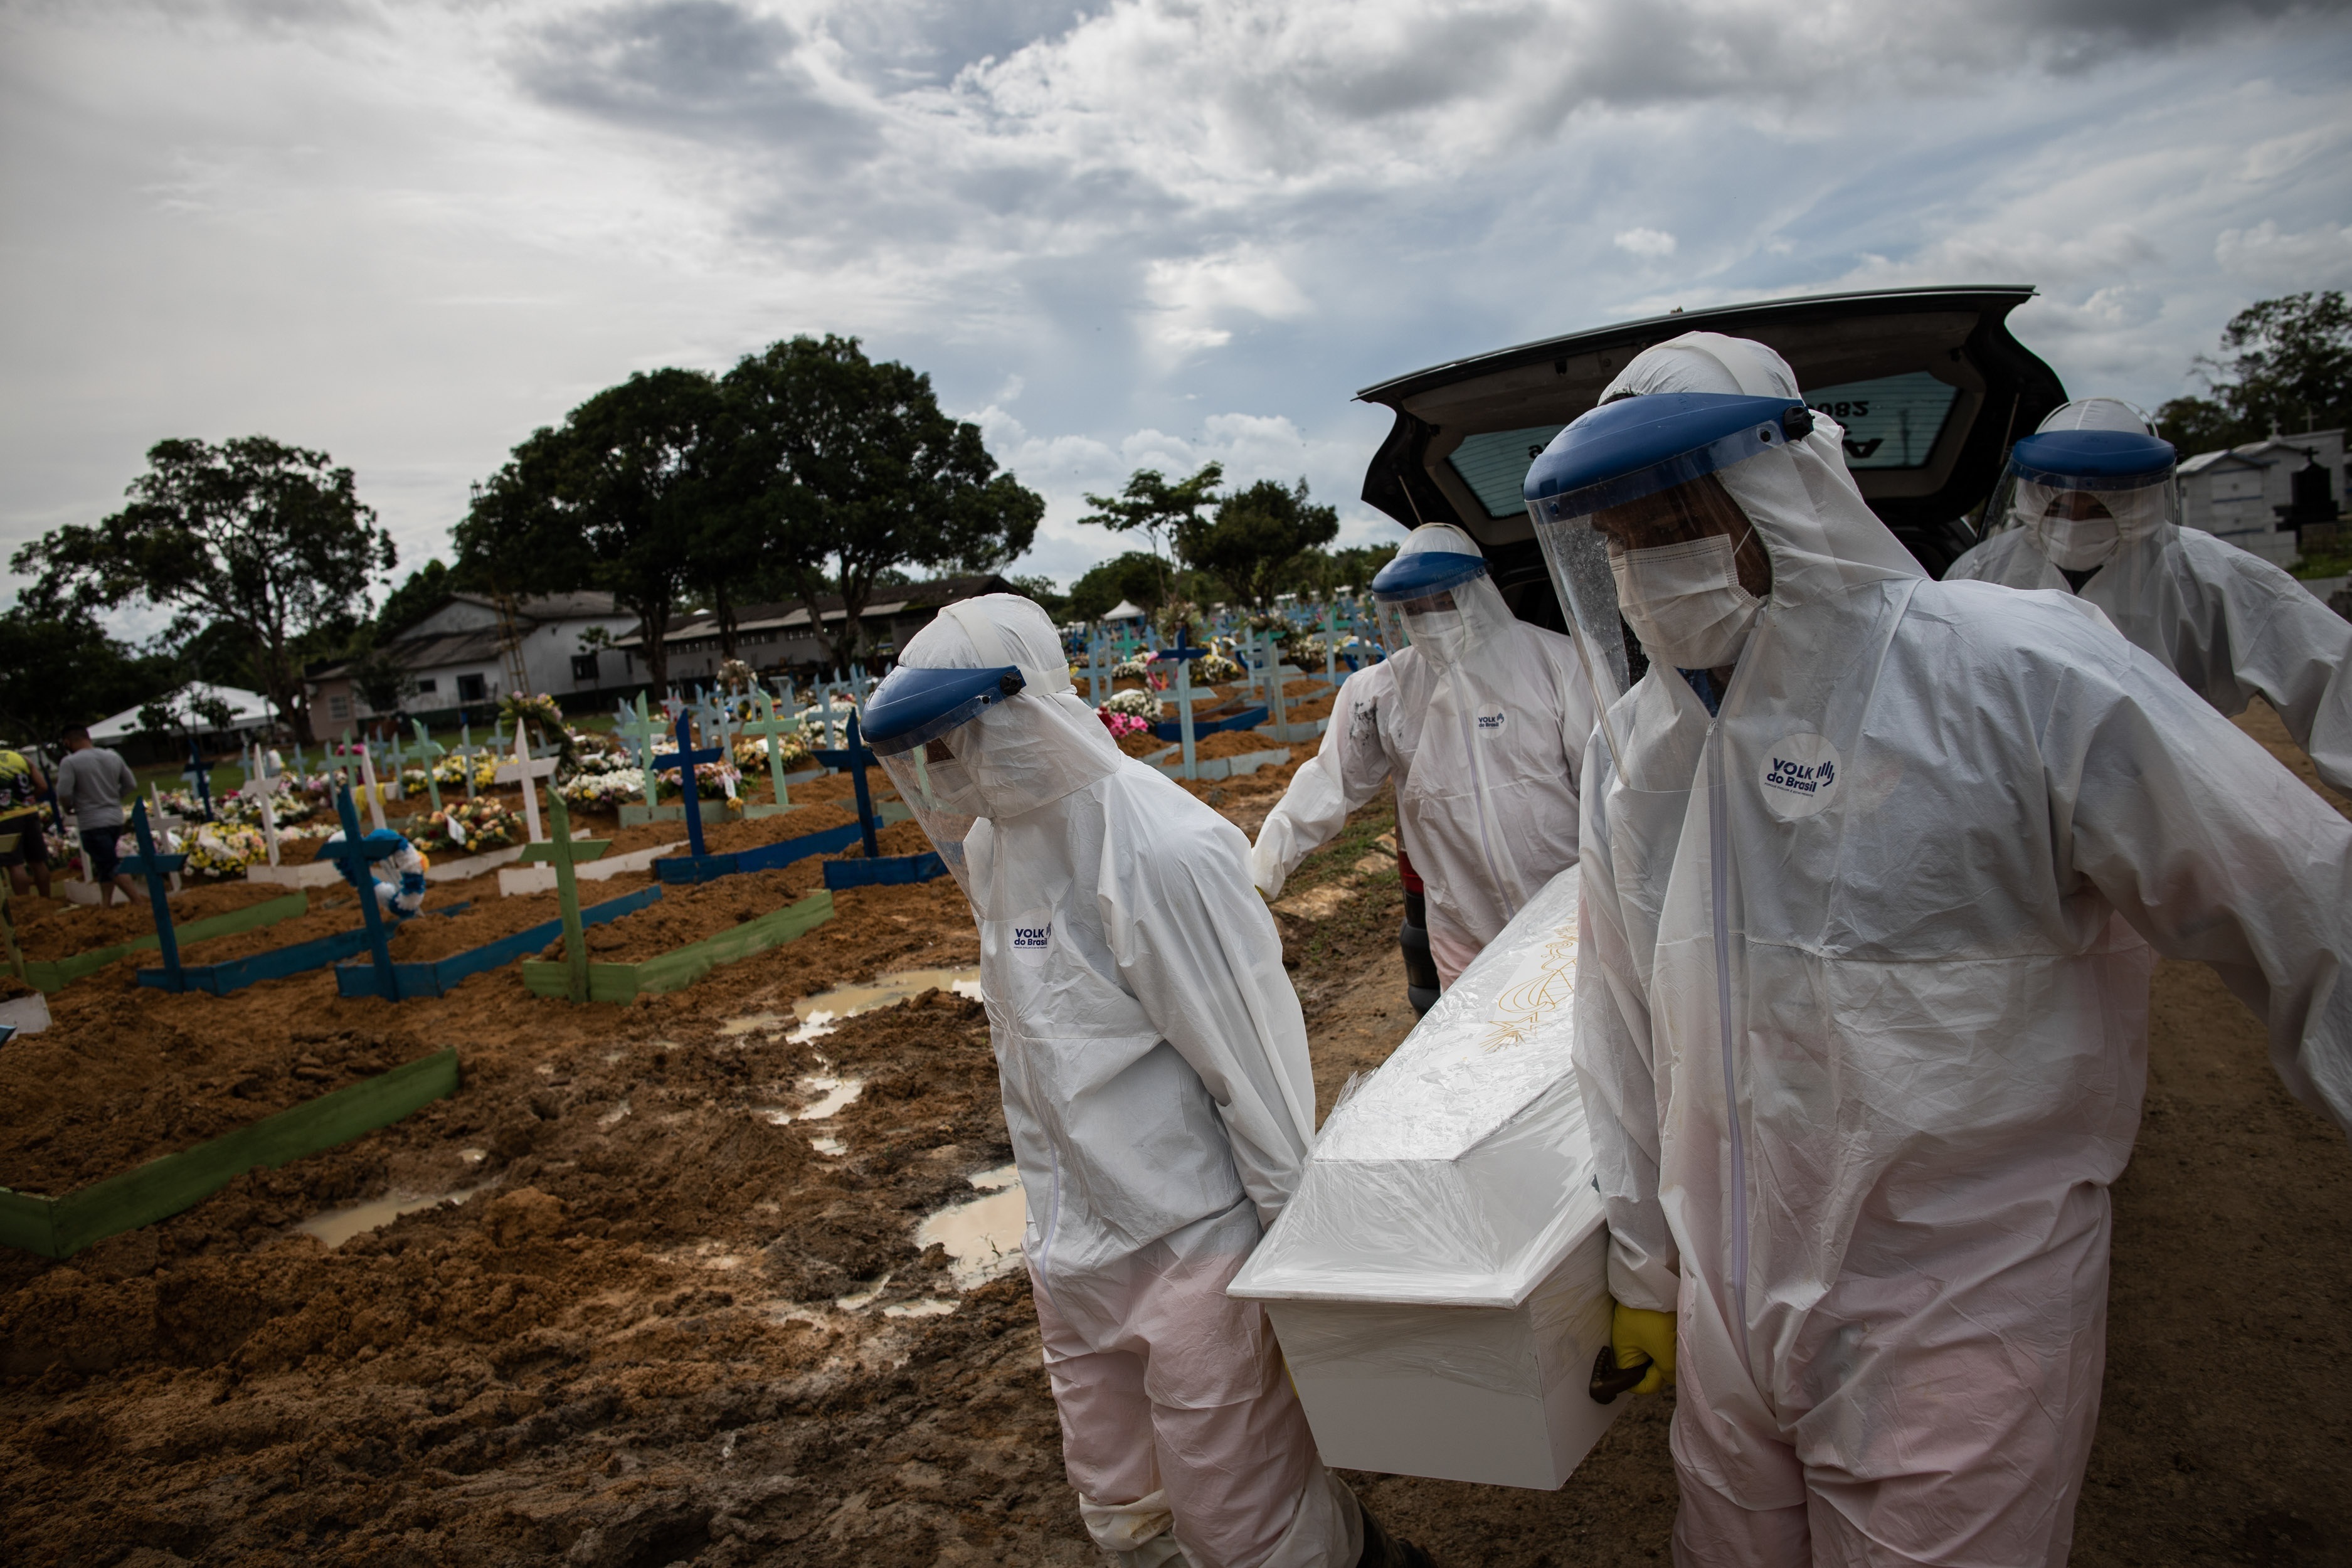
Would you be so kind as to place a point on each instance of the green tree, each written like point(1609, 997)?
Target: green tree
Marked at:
point(608, 501)
point(1134, 575)
point(2288, 367)
point(426, 590)
point(268, 539)
point(1150, 503)
point(1047, 593)
point(844, 469)
point(1259, 535)
point(58, 667)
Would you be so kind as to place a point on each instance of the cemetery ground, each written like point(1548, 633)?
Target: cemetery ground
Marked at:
point(653, 1321)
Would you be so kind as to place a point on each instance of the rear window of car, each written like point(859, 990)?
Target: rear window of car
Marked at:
point(1890, 423)
point(1495, 465)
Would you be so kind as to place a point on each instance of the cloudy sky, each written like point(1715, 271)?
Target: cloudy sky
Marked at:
point(1127, 233)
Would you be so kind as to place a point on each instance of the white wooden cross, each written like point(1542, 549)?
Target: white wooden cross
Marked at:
point(523, 771)
point(374, 795)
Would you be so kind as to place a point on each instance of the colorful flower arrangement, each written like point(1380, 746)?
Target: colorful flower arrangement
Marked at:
point(604, 791)
point(1121, 725)
point(472, 825)
point(1138, 705)
point(1136, 669)
point(1212, 668)
point(751, 753)
point(220, 849)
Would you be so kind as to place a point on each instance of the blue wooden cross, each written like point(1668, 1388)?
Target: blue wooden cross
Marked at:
point(855, 756)
point(199, 772)
point(355, 853)
point(1184, 653)
point(157, 868)
point(685, 759)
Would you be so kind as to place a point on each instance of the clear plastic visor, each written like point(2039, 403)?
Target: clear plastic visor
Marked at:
point(1629, 514)
point(2042, 502)
point(931, 779)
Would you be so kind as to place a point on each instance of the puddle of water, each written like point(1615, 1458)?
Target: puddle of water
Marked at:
point(337, 1226)
point(813, 1017)
point(832, 1094)
point(834, 1146)
point(929, 1307)
point(984, 1236)
point(857, 1301)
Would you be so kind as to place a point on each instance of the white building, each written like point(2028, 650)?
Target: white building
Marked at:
point(247, 711)
point(2237, 493)
point(453, 656)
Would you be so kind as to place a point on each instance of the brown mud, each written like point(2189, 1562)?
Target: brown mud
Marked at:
point(665, 1327)
point(51, 929)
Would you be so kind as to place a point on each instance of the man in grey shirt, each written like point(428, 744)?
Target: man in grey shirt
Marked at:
point(91, 782)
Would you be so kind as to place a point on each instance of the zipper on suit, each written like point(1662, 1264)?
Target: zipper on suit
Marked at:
point(1719, 831)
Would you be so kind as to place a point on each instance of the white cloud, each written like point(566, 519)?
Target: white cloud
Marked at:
point(1167, 231)
point(2269, 257)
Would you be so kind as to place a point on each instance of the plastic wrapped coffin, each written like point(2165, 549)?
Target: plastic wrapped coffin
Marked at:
point(1440, 1282)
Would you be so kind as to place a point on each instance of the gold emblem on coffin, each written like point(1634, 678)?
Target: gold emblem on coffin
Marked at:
point(1526, 1005)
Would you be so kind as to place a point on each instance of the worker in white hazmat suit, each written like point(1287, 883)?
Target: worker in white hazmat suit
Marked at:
point(1154, 1070)
point(2090, 508)
point(1872, 871)
point(1481, 722)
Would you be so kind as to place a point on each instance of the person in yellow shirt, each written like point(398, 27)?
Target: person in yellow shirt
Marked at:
point(21, 789)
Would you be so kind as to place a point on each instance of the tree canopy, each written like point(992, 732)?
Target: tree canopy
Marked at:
point(2287, 366)
point(1152, 504)
point(611, 499)
point(252, 535)
point(1132, 575)
point(840, 470)
point(59, 667)
point(1257, 536)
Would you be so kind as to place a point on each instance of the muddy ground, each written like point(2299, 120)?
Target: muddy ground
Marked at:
point(664, 1328)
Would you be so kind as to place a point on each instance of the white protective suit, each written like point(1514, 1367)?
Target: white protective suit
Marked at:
point(1867, 1058)
point(1154, 1069)
point(1484, 730)
point(2230, 624)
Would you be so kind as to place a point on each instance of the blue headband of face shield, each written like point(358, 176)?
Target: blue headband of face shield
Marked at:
point(2092, 459)
point(912, 706)
point(1637, 446)
point(1426, 572)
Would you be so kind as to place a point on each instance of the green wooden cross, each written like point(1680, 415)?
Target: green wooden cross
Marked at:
point(770, 727)
point(431, 753)
point(563, 853)
point(645, 729)
point(466, 752)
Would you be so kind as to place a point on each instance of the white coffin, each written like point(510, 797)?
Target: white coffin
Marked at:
point(1440, 1282)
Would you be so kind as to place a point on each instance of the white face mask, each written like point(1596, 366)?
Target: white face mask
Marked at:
point(2078, 544)
point(1685, 601)
point(1439, 633)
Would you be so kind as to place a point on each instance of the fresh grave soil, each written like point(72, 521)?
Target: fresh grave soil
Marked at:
point(13, 989)
point(688, 912)
point(724, 834)
point(427, 935)
point(1231, 743)
point(490, 917)
point(1141, 744)
point(51, 929)
point(899, 838)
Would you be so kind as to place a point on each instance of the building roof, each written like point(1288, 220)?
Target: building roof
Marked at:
point(247, 711)
point(1124, 610)
point(792, 615)
point(2262, 454)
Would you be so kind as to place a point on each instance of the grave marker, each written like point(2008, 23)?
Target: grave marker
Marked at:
point(355, 855)
point(466, 753)
point(199, 773)
point(855, 756)
point(771, 729)
point(523, 771)
point(1184, 653)
point(643, 730)
point(563, 852)
point(374, 791)
point(685, 759)
point(157, 868)
point(429, 754)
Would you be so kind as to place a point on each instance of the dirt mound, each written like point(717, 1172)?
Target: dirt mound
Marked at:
point(51, 929)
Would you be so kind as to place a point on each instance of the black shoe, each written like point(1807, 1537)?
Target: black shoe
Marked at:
point(1382, 1550)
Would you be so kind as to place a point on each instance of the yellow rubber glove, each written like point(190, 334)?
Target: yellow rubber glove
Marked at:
point(1636, 1336)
